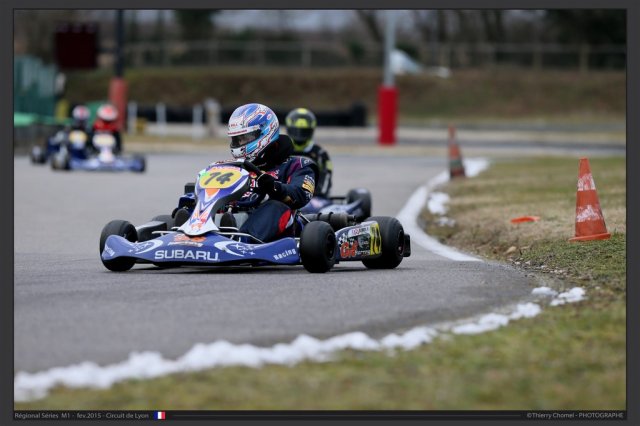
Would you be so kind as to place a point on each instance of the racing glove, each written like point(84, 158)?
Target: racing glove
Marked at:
point(267, 184)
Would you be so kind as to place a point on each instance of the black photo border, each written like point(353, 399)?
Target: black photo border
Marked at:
point(7, 172)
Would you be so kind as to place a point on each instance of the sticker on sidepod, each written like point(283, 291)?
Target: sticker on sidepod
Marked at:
point(220, 177)
point(363, 240)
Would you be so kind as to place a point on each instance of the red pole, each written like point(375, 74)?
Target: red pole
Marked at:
point(118, 98)
point(387, 114)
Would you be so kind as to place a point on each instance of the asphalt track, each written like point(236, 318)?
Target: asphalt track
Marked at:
point(69, 308)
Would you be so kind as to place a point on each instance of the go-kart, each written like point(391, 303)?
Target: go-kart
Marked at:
point(73, 140)
point(357, 202)
point(200, 234)
point(104, 159)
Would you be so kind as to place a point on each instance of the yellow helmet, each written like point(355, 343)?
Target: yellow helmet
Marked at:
point(300, 124)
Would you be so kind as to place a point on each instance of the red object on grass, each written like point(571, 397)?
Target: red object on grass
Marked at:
point(387, 114)
point(523, 219)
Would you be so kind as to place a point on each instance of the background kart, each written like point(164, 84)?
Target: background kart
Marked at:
point(207, 238)
point(104, 160)
point(74, 141)
point(357, 202)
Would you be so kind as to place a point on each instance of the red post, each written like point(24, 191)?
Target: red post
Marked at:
point(387, 114)
point(118, 98)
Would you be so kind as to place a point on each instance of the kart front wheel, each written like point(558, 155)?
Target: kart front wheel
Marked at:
point(60, 161)
point(318, 247)
point(124, 229)
point(393, 243)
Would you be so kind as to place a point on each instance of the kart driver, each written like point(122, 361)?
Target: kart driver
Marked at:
point(106, 117)
point(80, 118)
point(288, 181)
point(301, 124)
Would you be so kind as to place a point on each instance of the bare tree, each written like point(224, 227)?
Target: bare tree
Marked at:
point(35, 28)
point(370, 20)
point(442, 26)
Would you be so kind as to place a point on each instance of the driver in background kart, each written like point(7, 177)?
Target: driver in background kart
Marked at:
point(79, 121)
point(80, 115)
point(288, 181)
point(301, 124)
point(106, 117)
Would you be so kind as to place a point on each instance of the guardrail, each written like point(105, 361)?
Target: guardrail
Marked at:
point(335, 54)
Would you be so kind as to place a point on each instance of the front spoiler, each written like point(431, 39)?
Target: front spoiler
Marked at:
point(119, 164)
point(177, 249)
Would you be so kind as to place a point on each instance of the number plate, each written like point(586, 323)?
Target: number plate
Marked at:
point(220, 177)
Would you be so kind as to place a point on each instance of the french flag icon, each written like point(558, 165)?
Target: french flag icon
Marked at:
point(160, 415)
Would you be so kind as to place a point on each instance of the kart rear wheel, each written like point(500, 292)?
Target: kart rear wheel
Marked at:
point(364, 196)
point(166, 218)
point(318, 247)
point(392, 236)
point(124, 229)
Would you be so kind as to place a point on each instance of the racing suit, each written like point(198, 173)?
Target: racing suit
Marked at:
point(293, 186)
point(287, 184)
point(325, 169)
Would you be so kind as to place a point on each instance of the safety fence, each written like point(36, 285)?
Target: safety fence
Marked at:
point(355, 53)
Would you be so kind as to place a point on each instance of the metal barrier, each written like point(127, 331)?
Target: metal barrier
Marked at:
point(336, 54)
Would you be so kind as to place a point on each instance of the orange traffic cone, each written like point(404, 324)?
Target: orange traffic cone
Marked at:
point(456, 168)
point(589, 219)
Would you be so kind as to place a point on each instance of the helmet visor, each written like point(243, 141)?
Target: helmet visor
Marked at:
point(242, 140)
point(300, 134)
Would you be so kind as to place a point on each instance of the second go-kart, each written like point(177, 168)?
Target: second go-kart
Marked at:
point(357, 202)
point(104, 160)
point(199, 235)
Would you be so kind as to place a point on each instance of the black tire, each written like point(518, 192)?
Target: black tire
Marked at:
point(60, 161)
point(365, 196)
point(123, 229)
point(392, 236)
point(181, 216)
point(37, 155)
point(143, 164)
point(318, 247)
point(167, 219)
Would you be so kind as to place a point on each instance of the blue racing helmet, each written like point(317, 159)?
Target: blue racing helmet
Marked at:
point(252, 128)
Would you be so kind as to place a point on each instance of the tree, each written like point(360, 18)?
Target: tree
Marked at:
point(587, 26)
point(195, 24)
point(370, 20)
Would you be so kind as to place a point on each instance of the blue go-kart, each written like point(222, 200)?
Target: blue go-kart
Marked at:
point(197, 234)
point(101, 156)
